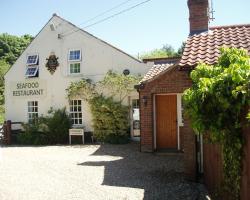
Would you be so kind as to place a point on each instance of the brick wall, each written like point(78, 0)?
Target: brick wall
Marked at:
point(198, 15)
point(173, 81)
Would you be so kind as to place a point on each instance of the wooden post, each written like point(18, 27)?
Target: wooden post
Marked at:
point(8, 132)
point(4, 132)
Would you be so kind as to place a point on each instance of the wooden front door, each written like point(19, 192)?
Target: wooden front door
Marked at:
point(166, 121)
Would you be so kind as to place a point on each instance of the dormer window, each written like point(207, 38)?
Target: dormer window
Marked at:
point(32, 68)
point(32, 60)
point(74, 55)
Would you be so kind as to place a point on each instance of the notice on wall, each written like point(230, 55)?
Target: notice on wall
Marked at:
point(36, 88)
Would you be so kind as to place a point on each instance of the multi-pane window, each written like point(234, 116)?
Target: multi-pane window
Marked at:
point(32, 60)
point(74, 68)
point(74, 55)
point(75, 108)
point(32, 69)
point(74, 59)
point(32, 111)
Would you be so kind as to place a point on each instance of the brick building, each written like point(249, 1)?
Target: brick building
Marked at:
point(160, 91)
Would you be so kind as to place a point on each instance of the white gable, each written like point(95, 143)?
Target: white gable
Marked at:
point(97, 57)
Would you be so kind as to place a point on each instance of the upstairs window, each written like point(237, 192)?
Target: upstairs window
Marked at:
point(74, 55)
point(32, 60)
point(74, 62)
point(32, 68)
point(75, 68)
point(32, 71)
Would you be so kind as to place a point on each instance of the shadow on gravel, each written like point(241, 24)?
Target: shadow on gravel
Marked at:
point(161, 177)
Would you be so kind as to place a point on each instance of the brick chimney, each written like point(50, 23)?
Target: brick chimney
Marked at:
point(198, 16)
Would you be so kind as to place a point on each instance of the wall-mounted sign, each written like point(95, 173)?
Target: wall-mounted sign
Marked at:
point(52, 63)
point(28, 88)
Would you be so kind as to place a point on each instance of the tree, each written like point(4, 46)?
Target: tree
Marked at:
point(166, 51)
point(181, 49)
point(12, 46)
point(216, 104)
point(4, 67)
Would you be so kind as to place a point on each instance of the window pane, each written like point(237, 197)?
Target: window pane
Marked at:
point(75, 68)
point(32, 110)
point(32, 60)
point(75, 112)
point(75, 55)
point(31, 71)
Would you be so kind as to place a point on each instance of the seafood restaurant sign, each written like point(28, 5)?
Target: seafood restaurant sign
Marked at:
point(35, 88)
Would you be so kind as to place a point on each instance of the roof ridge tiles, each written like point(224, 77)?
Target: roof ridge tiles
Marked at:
point(229, 26)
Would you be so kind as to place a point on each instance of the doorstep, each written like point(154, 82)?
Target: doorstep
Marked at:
point(168, 152)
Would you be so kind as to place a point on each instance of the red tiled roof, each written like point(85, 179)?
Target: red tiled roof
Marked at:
point(155, 71)
point(204, 47)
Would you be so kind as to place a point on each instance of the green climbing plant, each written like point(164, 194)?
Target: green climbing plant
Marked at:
point(216, 104)
point(109, 116)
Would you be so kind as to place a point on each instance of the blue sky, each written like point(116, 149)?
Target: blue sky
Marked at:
point(142, 29)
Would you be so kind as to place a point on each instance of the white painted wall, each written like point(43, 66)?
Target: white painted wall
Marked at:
point(97, 58)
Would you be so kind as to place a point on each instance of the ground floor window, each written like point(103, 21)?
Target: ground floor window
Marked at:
point(32, 111)
point(75, 108)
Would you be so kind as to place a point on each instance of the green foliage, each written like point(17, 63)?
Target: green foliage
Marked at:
point(57, 125)
point(110, 117)
point(12, 46)
point(165, 51)
point(83, 88)
point(51, 129)
point(216, 103)
point(181, 49)
point(1, 114)
point(10, 49)
point(4, 67)
point(119, 84)
point(32, 135)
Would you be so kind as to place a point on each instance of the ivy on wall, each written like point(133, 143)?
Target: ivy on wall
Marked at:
point(110, 117)
point(216, 104)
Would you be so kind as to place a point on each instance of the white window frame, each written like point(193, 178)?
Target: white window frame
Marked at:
point(72, 63)
point(76, 60)
point(34, 63)
point(76, 115)
point(32, 110)
point(35, 72)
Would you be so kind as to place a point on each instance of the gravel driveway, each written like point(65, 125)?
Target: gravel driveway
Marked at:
point(92, 172)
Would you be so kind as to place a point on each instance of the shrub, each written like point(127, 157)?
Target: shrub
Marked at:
point(57, 125)
point(110, 120)
point(216, 105)
point(51, 129)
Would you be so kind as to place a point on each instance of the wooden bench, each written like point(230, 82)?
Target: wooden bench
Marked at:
point(77, 132)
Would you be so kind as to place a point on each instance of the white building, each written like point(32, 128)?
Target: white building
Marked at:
point(31, 89)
